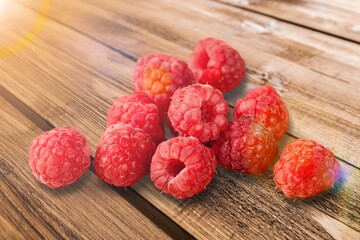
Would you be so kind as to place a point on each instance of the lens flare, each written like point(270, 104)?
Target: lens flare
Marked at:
point(26, 39)
point(5, 8)
point(3, 3)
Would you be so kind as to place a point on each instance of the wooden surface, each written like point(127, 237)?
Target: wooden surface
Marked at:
point(83, 58)
point(339, 18)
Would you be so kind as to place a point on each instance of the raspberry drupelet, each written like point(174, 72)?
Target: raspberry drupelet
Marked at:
point(159, 75)
point(246, 146)
point(265, 104)
point(216, 63)
point(59, 157)
point(305, 169)
point(123, 155)
point(199, 111)
point(140, 111)
point(182, 167)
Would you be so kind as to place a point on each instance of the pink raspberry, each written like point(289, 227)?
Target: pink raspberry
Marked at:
point(216, 63)
point(246, 146)
point(305, 169)
point(159, 75)
point(265, 104)
point(140, 111)
point(199, 111)
point(123, 155)
point(59, 157)
point(182, 167)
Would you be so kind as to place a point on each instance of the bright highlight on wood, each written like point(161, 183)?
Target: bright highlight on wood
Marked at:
point(3, 3)
point(25, 40)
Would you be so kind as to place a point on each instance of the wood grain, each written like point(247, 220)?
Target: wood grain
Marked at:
point(316, 74)
point(75, 86)
point(338, 18)
point(13, 224)
point(87, 209)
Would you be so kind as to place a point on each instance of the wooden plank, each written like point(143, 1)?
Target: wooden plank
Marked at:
point(14, 226)
point(215, 214)
point(87, 209)
point(313, 71)
point(350, 5)
point(338, 18)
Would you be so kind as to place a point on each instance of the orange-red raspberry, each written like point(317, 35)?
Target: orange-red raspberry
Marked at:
point(199, 111)
point(216, 63)
point(159, 75)
point(140, 111)
point(59, 157)
point(123, 155)
point(246, 146)
point(265, 104)
point(305, 169)
point(182, 167)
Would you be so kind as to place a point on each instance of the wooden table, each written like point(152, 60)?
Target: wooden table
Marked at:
point(64, 62)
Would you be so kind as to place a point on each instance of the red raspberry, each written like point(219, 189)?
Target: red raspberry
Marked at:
point(59, 157)
point(246, 146)
point(182, 167)
point(159, 75)
point(123, 155)
point(265, 104)
point(140, 111)
point(305, 169)
point(216, 63)
point(199, 111)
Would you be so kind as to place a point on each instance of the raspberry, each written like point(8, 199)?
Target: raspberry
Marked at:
point(123, 155)
point(59, 157)
point(265, 104)
point(182, 167)
point(159, 75)
point(216, 63)
point(246, 146)
point(305, 169)
point(140, 111)
point(199, 111)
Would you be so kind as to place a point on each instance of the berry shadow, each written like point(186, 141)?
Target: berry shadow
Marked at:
point(77, 186)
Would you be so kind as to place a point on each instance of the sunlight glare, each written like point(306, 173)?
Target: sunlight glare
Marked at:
point(4, 7)
point(3, 3)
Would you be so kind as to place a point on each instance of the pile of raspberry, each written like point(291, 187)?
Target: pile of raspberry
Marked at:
point(190, 97)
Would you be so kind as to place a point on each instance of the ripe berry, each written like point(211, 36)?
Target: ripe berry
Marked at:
point(59, 157)
point(140, 111)
point(265, 104)
point(159, 75)
point(182, 167)
point(216, 63)
point(123, 155)
point(246, 146)
point(305, 169)
point(199, 111)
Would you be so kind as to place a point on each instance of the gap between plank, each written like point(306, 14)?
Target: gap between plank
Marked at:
point(288, 21)
point(134, 59)
point(146, 208)
point(25, 110)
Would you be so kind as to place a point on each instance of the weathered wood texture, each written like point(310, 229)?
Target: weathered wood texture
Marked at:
point(87, 209)
point(84, 59)
point(340, 18)
point(75, 86)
